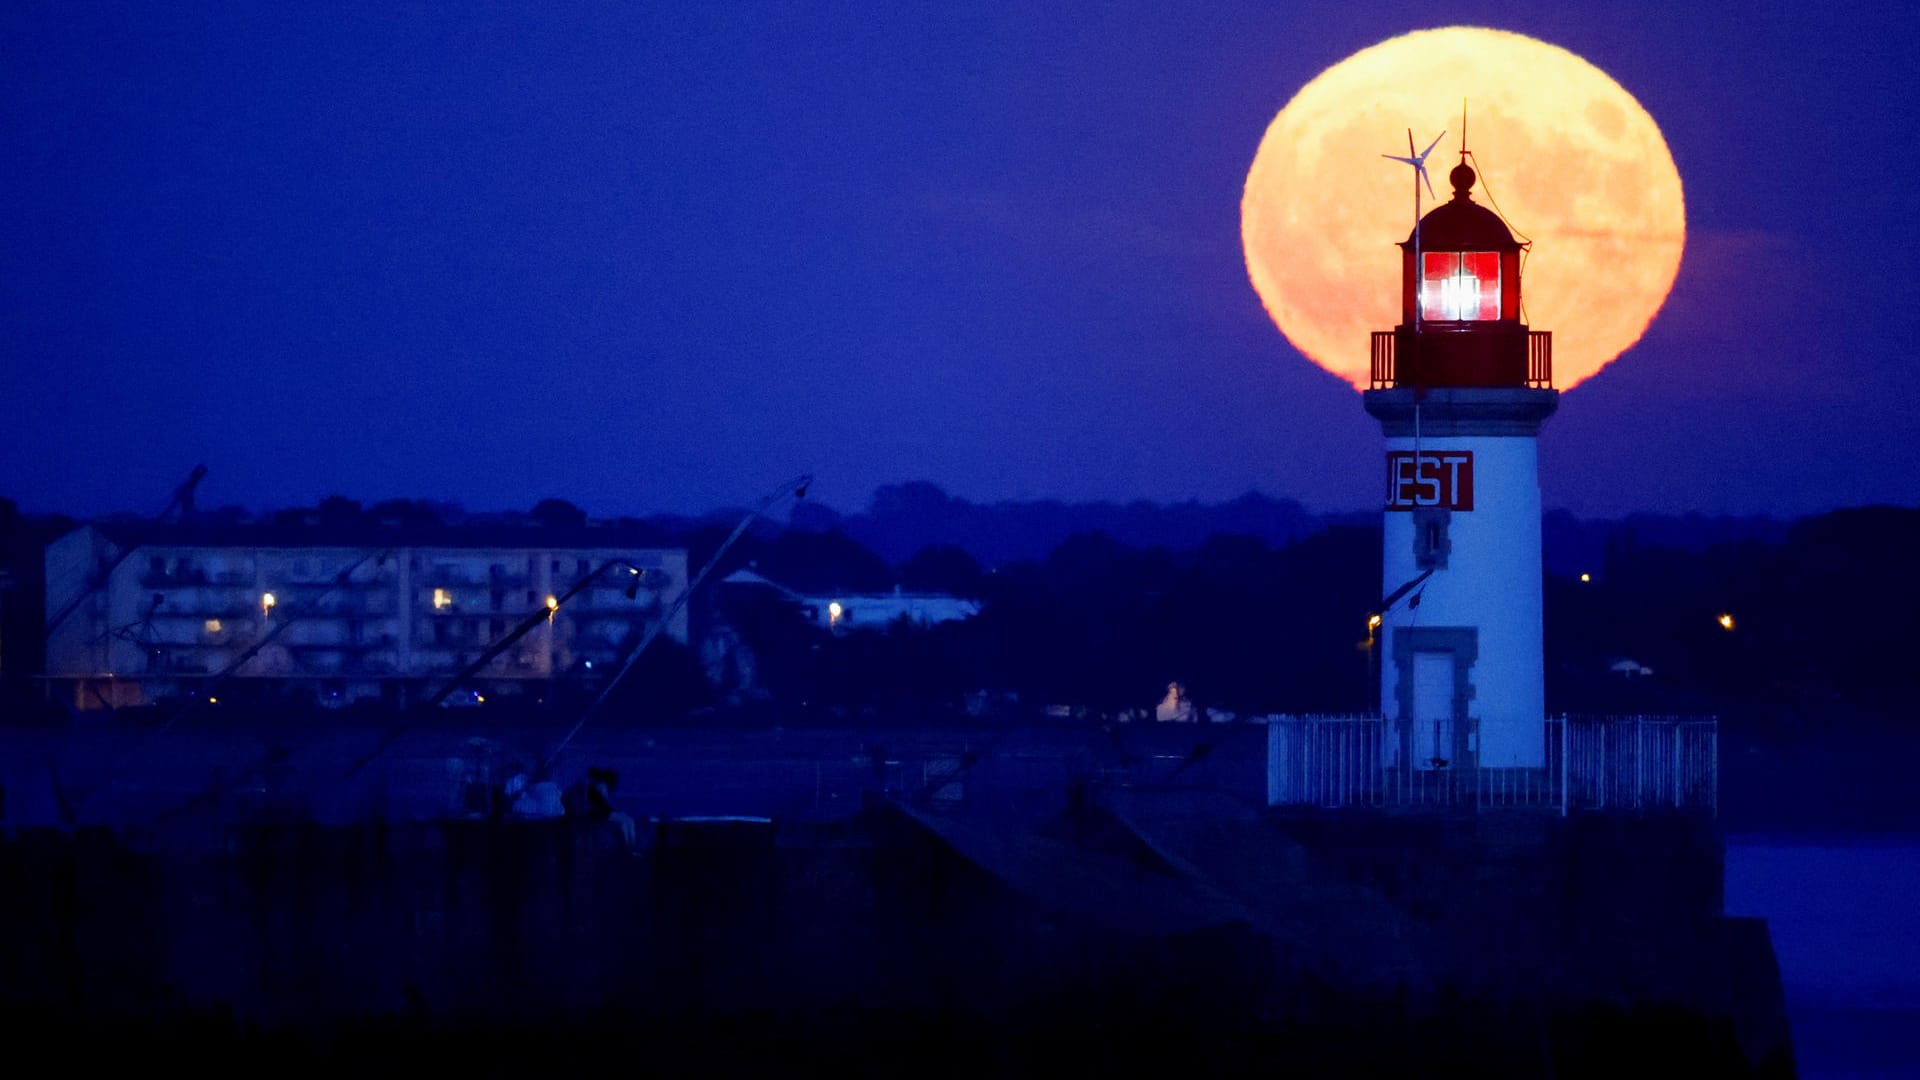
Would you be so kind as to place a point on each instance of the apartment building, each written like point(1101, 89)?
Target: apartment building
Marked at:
point(140, 613)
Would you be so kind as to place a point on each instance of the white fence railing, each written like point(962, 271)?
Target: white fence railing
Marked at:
point(1621, 764)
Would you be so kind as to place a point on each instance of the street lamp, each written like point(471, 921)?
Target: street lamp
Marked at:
point(1373, 674)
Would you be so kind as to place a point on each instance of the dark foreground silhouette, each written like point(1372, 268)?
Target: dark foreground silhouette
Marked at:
point(1123, 931)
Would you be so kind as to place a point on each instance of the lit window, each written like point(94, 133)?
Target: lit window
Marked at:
point(213, 626)
point(442, 600)
point(1460, 286)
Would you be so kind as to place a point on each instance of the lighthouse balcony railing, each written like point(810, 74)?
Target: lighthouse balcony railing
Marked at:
point(1382, 376)
point(1385, 370)
point(1571, 765)
point(1540, 359)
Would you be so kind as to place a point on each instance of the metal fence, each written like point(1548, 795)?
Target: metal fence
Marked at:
point(1620, 764)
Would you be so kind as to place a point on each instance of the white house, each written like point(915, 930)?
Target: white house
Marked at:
point(866, 611)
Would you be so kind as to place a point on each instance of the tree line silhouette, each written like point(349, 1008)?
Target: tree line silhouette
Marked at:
point(1268, 620)
point(1821, 615)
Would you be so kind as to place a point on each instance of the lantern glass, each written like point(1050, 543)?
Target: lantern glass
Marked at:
point(1460, 286)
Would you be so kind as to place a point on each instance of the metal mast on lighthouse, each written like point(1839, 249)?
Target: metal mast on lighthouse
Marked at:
point(1419, 163)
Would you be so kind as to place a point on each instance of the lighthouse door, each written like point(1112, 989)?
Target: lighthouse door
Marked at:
point(1433, 696)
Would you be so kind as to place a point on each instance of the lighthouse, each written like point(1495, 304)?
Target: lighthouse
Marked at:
point(1461, 388)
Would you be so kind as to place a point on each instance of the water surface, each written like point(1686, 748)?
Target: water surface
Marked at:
point(1844, 912)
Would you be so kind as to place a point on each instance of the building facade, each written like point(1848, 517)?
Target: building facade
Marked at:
point(142, 614)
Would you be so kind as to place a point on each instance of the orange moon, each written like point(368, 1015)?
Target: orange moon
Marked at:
point(1566, 154)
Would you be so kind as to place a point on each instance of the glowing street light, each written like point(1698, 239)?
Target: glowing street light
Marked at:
point(267, 600)
point(834, 611)
point(1373, 677)
point(1584, 578)
point(1725, 620)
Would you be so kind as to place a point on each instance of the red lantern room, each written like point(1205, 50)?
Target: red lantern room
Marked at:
point(1461, 267)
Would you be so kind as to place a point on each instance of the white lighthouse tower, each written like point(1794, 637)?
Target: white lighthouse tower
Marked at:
point(1461, 388)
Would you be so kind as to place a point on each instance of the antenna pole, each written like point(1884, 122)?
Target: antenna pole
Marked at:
point(1419, 271)
point(1419, 304)
point(1418, 159)
point(796, 487)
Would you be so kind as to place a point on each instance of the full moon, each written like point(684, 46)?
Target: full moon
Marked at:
point(1564, 153)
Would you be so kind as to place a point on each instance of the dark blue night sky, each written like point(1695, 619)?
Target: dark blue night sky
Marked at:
point(658, 257)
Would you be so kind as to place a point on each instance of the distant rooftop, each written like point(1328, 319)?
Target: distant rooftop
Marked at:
point(285, 533)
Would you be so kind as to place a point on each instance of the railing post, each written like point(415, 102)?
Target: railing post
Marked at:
point(1540, 359)
point(1340, 766)
point(1676, 766)
point(1273, 762)
point(1603, 770)
point(1565, 745)
point(1638, 758)
point(1307, 775)
point(1382, 356)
